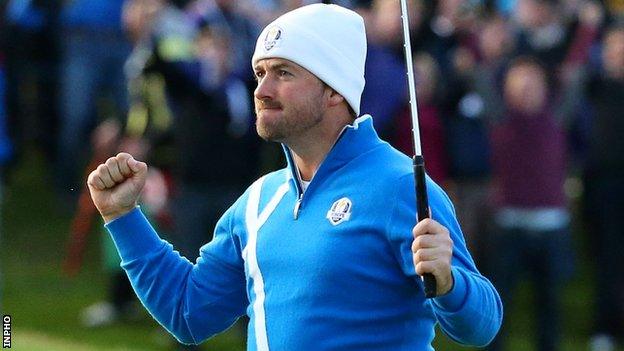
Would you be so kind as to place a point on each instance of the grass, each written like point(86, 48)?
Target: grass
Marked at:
point(45, 304)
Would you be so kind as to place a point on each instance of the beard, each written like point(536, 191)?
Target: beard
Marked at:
point(276, 122)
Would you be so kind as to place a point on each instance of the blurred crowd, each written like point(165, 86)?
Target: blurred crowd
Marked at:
point(521, 109)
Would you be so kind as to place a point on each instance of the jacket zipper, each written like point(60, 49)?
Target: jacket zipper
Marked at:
point(297, 178)
point(297, 205)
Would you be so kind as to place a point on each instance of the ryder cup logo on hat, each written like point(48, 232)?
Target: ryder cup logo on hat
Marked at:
point(272, 37)
point(340, 211)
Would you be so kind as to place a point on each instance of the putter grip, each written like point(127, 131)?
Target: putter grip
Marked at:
point(422, 208)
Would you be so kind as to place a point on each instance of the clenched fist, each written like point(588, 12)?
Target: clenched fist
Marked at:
point(115, 185)
point(432, 251)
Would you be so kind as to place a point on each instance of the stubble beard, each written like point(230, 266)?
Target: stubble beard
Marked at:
point(294, 121)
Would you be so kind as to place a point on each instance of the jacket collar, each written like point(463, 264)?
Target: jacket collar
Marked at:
point(354, 140)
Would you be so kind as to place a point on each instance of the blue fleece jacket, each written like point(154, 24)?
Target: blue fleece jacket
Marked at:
point(328, 269)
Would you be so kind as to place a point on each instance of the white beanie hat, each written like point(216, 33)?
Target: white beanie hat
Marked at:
point(327, 40)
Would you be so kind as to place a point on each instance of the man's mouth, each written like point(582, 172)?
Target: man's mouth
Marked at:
point(271, 107)
point(268, 105)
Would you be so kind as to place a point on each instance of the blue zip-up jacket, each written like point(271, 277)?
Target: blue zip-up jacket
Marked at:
point(328, 269)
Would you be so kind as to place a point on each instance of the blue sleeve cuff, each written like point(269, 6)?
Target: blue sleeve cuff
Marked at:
point(454, 300)
point(133, 235)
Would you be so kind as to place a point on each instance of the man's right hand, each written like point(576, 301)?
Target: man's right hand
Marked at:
point(115, 185)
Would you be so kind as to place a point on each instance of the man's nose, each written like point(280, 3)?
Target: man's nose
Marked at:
point(265, 88)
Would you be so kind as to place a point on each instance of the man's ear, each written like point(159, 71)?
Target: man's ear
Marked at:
point(335, 98)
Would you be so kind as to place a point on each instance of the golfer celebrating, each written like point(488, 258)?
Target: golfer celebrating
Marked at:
point(323, 254)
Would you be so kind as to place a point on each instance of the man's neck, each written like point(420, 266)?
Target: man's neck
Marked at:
point(310, 150)
point(309, 163)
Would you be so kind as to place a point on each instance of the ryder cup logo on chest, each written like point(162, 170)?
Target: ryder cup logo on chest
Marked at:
point(340, 211)
point(272, 38)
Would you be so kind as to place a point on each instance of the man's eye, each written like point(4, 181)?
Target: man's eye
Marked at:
point(258, 75)
point(283, 73)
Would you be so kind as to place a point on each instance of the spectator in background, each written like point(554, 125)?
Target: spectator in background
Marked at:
point(495, 51)
point(427, 77)
point(422, 34)
point(604, 185)
point(93, 54)
point(529, 167)
point(473, 101)
point(589, 17)
point(542, 31)
point(242, 30)
point(574, 109)
point(240, 21)
point(30, 34)
point(385, 92)
point(454, 24)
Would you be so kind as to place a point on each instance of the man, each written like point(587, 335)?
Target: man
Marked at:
point(532, 221)
point(323, 254)
point(604, 189)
